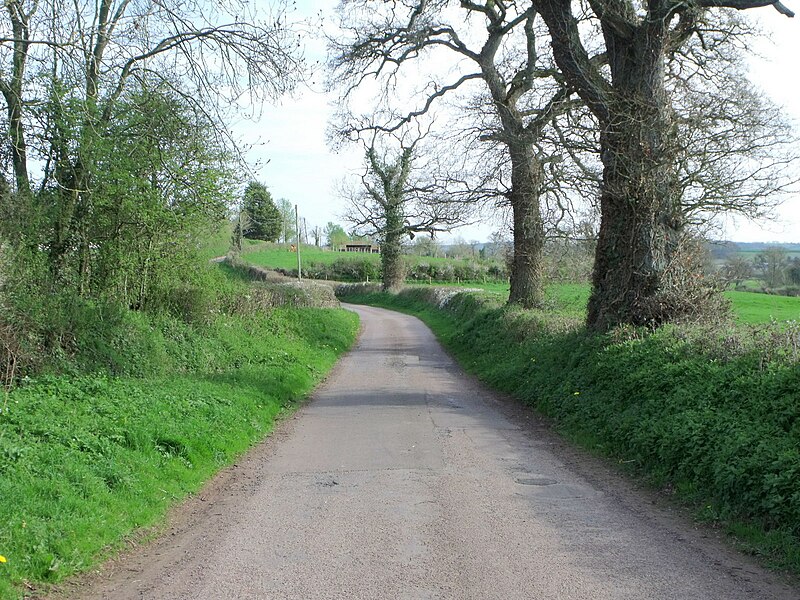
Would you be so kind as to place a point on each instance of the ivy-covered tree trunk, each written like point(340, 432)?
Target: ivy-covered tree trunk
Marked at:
point(68, 236)
point(641, 224)
point(392, 266)
point(394, 202)
point(646, 271)
point(526, 268)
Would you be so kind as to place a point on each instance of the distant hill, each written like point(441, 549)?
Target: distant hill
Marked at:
point(723, 249)
point(761, 246)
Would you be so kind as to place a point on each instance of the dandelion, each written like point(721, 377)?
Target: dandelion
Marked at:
point(2, 559)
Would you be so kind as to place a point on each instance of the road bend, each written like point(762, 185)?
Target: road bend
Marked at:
point(403, 478)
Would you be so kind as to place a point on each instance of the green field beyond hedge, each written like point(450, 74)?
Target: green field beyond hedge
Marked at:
point(281, 257)
point(748, 307)
point(356, 266)
point(709, 412)
point(751, 307)
point(87, 459)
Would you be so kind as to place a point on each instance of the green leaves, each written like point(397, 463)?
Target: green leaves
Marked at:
point(264, 220)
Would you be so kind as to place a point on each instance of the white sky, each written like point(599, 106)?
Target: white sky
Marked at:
point(295, 162)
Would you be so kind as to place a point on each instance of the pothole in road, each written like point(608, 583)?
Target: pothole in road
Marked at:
point(326, 482)
point(535, 481)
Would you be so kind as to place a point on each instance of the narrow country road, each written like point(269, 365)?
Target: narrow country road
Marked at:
point(404, 479)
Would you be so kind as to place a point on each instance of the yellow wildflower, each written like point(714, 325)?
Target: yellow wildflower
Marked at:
point(2, 559)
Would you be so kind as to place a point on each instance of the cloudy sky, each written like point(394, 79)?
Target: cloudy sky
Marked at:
point(292, 157)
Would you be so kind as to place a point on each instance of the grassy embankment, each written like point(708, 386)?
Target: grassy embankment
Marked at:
point(100, 443)
point(711, 413)
point(219, 243)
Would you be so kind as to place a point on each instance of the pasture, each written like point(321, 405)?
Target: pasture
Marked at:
point(747, 307)
point(571, 298)
point(280, 256)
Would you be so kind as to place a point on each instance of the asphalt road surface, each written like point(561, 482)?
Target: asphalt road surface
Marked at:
point(405, 479)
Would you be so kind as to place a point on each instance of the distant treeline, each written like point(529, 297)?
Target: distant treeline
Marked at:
point(725, 248)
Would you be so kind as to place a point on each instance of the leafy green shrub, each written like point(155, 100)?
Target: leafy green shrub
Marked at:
point(62, 332)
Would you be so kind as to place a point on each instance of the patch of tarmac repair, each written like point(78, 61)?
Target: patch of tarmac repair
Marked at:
point(535, 481)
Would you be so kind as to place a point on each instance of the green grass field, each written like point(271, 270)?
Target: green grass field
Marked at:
point(219, 243)
point(748, 307)
point(751, 254)
point(751, 307)
point(278, 256)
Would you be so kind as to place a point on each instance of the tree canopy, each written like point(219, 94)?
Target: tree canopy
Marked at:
point(264, 220)
point(115, 131)
point(642, 107)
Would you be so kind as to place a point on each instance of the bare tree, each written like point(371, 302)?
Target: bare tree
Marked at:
point(736, 269)
point(734, 145)
point(642, 219)
point(507, 59)
point(771, 264)
point(426, 246)
point(397, 198)
point(316, 233)
point(732, 150)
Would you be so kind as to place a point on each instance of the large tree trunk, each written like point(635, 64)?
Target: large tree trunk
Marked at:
point(527, 173)
point(526, 268)
point(69, 247)
point(392, 267)
point(641, 220)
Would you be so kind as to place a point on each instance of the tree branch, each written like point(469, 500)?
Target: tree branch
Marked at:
point(746, 4)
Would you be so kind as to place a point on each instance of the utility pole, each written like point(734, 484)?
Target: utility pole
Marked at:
point(297, 227)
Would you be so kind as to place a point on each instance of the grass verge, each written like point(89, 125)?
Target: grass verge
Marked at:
point(87, 459)
point(711, 415)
